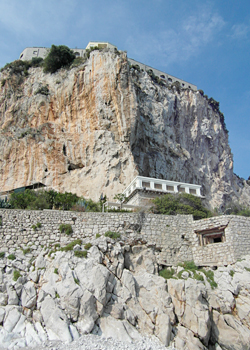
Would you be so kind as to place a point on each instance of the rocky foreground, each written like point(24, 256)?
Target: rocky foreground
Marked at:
point(115, 292)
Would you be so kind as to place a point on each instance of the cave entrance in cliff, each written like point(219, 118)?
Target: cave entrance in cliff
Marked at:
point(211, 235)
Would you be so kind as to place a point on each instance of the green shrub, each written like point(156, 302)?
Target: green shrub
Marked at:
point(87, 246)
point(16, 275)
point(231, 273)
point(26, 251)
point(2, 255)
point(166, 273)
point(58, 57)
point(38, 225)
point(81, 253)
point(34, 227)
point(3, 81)
point(66, 228)
point(97, 235)
point(189, 265)
point(113, 235)
point(247, 269)
point(183, 203)
point(57, 295)
point(57, 245)
point(56, 271)
point(76, 280)
point(71, 245)
point(11, 257)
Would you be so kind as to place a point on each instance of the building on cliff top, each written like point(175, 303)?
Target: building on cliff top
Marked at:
point(31, 52)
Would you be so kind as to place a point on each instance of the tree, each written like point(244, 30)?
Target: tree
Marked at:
point(58, 57)
point(183, 203)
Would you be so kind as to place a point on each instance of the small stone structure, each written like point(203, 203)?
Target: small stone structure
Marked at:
point(142, 189)
point(29, 52)
point(174, 238)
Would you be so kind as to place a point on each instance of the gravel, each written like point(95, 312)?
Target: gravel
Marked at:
point(94, 342)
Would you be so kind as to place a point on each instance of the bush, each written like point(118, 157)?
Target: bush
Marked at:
point(113, 235)
point(58, 57)
point(38, 225)
point(16, 275)
point(11, 257)
point(71, 245)
point(66, 228)
point(81, 253)
point(56, 271)
point(2, 255)
point(87, 246)
point(166, 273)
point(97, 235)
point(183, 203)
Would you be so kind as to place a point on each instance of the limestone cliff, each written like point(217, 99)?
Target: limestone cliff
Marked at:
point(93, 128)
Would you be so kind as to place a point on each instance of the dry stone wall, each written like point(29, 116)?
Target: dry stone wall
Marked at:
point(173, 237)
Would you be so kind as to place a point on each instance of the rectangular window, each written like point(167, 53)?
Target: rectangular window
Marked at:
point(192, 191)
point(212, 236)
point(170, 188)
point(146, 184)
point(181, 189)
point(158, 186)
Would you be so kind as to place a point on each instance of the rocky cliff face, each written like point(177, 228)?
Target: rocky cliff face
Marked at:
point(93, 128)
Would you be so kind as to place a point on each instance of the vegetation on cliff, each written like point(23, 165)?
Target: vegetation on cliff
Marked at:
point(58, 57)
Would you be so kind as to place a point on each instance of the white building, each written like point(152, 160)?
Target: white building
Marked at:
point(142, 189)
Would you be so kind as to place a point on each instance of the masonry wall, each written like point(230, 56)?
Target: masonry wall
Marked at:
point(173, 237)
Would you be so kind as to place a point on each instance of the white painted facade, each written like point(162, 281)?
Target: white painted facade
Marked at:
point(100, 45)
point(156, 187)
point(29, 52)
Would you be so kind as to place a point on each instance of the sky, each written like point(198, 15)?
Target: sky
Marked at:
point(206, 43)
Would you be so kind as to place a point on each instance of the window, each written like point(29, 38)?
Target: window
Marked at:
point(170, 188)
point(211, 236)
point(146, 184)
point(169, 79)
point(34, 52)
point(158, 186)
point(181, 189)
point(192, 191)
point(162, 76)
point(77, 54)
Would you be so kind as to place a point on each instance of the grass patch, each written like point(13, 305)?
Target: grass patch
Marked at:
point(247, 269)
point(81, 253)
point(113, 235)
point(166, 273)
point(87, 246)
point(2, 255)
point(76, 280)
point(26, 251)
point(97, 235)
point(16, 275)
point(231, 273)
point(11, 257)
point(57, 295)
point(66, 228)
point(71, 245)
point(56, 271)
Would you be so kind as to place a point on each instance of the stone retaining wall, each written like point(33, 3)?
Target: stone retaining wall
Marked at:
point(173, 237)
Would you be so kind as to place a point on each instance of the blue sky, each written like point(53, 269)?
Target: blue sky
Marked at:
point(203, 42)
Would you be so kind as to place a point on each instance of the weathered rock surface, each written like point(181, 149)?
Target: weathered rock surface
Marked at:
point(102, 124)
point(74, 296)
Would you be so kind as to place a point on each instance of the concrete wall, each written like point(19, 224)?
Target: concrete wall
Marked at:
point(29, 52)
point(173, 237)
